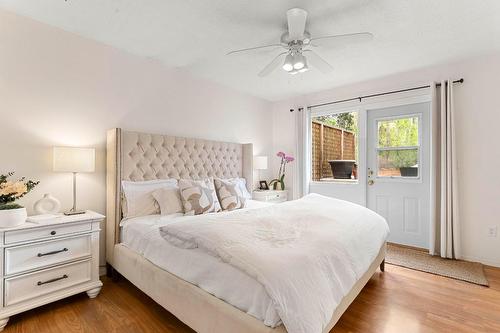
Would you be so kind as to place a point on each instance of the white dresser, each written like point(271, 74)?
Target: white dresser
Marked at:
point(271, 196)
point(47, 261)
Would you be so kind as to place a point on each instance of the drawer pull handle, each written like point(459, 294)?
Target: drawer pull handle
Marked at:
point(39, 283)
point(53, 232)
point(52, 252)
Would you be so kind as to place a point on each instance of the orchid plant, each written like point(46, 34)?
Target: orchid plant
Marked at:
point(10, 191)
point(285, 159)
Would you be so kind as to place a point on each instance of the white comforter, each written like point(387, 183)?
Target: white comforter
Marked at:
point(307, 253)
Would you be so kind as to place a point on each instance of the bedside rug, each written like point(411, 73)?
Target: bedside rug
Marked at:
point(421, 261)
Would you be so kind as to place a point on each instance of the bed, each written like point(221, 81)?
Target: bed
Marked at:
point(136, 251)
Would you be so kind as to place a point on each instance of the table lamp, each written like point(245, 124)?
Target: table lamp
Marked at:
point(260, 163)
point(74, 159)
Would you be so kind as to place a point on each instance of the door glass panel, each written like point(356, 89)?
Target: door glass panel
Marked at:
point(398, 149)
point(401, 132)
point(398, 163)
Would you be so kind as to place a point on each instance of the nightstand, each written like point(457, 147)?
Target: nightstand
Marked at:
point(271, 196)
point(47, 261)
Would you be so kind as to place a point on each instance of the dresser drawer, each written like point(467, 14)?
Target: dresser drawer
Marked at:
point(52, 231)
point(28, 286)
point(38, 255)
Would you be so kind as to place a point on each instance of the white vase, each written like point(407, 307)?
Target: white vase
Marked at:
point(47, 205)
point(12, 217)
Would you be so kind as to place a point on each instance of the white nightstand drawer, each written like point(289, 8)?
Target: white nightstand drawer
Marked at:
point(280, 196)
point(271, 196)
point(37, 255)
point(24, 287)
point(51, 231)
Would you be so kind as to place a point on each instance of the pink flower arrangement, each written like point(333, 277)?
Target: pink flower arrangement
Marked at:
point(285, 159)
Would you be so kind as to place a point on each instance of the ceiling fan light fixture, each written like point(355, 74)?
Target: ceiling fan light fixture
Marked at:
point(288, 65)
point(305, 68)
point(293, 72)
point(299, 61)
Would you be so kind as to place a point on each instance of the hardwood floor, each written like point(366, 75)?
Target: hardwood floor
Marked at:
point(399, 300)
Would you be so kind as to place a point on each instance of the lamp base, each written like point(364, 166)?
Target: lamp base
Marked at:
point(74, 212)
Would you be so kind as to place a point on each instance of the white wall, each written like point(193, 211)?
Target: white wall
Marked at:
point(60, 89)
point(478, 118)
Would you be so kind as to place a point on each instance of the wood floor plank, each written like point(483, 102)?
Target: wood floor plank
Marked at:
point(399, 300)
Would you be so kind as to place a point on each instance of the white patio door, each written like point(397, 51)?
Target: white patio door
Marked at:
point(398, 167)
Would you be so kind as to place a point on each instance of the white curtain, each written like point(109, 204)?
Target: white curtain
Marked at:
point(302, 131)
point(445, 224)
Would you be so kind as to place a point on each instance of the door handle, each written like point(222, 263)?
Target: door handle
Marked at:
point(371, 182)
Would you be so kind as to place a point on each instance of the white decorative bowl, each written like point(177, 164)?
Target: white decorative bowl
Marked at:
point(12, 217)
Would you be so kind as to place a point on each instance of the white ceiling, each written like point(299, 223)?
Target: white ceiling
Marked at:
point(195, 35)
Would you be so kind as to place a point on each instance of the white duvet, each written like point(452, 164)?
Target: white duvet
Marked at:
point(307, 253)
point(141, 234)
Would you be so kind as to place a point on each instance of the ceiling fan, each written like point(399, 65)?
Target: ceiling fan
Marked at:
point(299, 44)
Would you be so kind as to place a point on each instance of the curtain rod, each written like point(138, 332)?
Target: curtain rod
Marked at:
point(374, 95)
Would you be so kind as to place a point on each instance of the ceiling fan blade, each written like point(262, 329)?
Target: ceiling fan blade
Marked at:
point(341, 40)
point(316, 61)
point(296, 18)
point(254, 49)
point(272, 65)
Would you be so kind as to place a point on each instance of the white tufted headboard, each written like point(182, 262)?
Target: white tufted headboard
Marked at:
point(142, 156)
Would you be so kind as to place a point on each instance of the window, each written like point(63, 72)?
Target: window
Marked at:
point(335, 147)
point(398, 149)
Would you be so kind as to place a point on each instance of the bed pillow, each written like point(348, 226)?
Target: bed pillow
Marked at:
point(169, 200)
point(242, 184)
point(229, 193)
point(138, 196)
point(198, 196)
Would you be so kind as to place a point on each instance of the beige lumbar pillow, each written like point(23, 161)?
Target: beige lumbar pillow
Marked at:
point(138, 198)
point(230, 195)
point(198, 196)
point(169, 200)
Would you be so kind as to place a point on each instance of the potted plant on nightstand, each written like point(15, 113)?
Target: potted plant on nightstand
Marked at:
point(280, 181)
point(12, 214)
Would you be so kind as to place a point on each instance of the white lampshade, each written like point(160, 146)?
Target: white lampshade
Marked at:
point(74, 159)
point(260, 162)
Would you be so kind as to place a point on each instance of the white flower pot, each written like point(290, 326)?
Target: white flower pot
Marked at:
point(12, 217)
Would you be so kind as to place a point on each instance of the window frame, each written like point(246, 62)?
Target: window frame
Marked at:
point(348, 182)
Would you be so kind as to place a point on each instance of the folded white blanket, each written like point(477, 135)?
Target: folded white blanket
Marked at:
point(307, 253)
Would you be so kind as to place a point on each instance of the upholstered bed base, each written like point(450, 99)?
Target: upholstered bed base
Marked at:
point(202, 311)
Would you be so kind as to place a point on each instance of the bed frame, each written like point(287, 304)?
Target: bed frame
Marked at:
point(142, 156)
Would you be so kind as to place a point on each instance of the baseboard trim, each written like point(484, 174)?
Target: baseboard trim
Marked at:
point(102, 270)
point(482, 261)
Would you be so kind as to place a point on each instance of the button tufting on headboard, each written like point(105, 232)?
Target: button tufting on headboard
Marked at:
point(153, 156)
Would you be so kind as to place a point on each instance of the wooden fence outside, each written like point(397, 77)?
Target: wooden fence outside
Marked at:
point(330, 143)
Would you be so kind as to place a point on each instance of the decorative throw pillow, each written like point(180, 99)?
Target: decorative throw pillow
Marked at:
point(169, 200)
point(198, 196)
point(242, 184)
point(230, 194)
point(139, 200)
